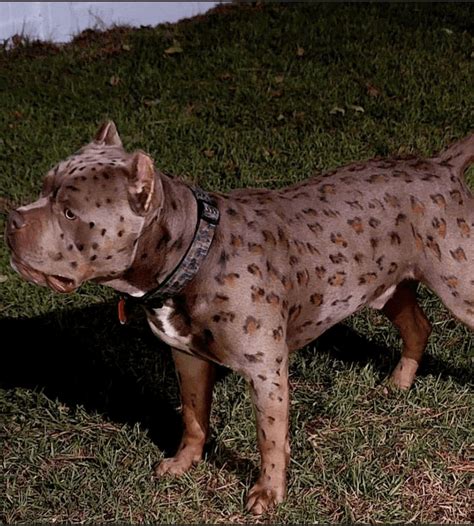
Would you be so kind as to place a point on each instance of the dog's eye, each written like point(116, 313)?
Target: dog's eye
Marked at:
point(68, 214)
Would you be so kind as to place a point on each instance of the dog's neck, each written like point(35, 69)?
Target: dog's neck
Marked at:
point(163, 242)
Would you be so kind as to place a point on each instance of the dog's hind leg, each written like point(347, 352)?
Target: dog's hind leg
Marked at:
point(404, 312)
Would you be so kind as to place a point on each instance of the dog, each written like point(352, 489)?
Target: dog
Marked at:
point(242, 279)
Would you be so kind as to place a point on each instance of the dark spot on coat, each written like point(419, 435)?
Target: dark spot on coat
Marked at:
point(440, 225)
point(223, 258)
point(254, 358)
point(433, 246)
point(320, 272)
point(369, 277)
point(458, 255)
point(392, 268)
point(400, 219)
point(395, 238)
point(251, 325)
point(338, 239)
point(316, 299)
point(337, 280)
point(356, 224)
point(338, 258)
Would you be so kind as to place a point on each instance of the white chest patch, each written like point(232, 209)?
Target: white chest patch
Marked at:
point(379, 303)
point(162, 327)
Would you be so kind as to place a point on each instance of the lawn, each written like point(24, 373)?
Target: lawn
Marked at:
point(248, 95)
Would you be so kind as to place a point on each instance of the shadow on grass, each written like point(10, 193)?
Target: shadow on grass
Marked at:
point(84, 357)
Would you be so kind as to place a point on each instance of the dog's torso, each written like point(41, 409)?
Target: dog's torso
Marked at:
point(291, 263)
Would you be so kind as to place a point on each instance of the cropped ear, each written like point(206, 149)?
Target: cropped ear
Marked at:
point(141, 186)
point(107, 134)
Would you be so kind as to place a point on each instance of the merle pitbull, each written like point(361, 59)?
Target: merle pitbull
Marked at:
point(273, 273)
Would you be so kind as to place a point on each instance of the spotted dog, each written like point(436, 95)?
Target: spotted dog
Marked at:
point(272, 271)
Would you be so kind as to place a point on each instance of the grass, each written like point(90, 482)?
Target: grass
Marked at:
point(263, 96)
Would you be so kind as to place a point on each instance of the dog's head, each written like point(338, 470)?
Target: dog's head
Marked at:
point(87, 222)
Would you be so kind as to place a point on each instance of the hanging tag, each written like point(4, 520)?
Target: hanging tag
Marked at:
point(122, 314)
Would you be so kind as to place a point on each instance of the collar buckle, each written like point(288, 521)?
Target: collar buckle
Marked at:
point(208, 212)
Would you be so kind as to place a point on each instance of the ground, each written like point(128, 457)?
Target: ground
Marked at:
point(250, 95)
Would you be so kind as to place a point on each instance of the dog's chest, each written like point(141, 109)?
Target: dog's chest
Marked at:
point(171, 327)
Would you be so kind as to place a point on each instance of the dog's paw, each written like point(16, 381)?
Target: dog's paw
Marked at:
point(263, 498)
point(174, 466)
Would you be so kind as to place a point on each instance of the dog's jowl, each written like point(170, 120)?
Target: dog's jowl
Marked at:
point(242, 279)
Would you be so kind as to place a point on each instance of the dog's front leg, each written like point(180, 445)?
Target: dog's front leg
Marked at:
point(269, 390)
point(196, 379)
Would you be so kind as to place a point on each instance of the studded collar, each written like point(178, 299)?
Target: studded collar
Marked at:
point(207, 221)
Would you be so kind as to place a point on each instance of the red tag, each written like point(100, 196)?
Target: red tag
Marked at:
point(122, 314)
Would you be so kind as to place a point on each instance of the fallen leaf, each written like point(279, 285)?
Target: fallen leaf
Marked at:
point(299, 51)
point(209, 153)
point(114, 80)
point(279, 79)
point(356, 108)
point(174, 49)
point(151, 102)
point(225, 76)
point(126, 47)
point(336, 110)
point(269, 152)
point(276, 93)
point(281, 117)
point(299, 115)
point(372, 90)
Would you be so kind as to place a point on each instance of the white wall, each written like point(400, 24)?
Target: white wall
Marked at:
point(60, 21)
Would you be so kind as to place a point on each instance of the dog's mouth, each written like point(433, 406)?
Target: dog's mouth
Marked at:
point(53, 281)
point(61, 284)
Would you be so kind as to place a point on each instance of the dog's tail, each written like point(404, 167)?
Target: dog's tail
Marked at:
point(460, 155)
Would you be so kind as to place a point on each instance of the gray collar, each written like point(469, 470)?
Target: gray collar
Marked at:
point(187, 268)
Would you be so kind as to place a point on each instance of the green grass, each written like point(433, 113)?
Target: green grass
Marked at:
point(87, 406)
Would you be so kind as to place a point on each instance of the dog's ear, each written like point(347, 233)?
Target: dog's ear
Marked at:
point(142, 183)
point(108, 135)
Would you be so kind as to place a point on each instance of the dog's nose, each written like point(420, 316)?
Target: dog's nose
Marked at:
point(16, 220)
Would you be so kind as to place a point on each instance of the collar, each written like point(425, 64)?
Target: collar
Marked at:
point(207, 221)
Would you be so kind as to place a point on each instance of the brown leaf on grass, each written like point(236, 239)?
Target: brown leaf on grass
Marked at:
point(299, 116)
point(151, 102)
point(300, 51)
point(279, 79)
point(174, 49)
point(337, 109)
point(114, 80)
point(372, 90)
point(276, 93)
point(209, 153)
point(225, 76)
point(358, 109)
